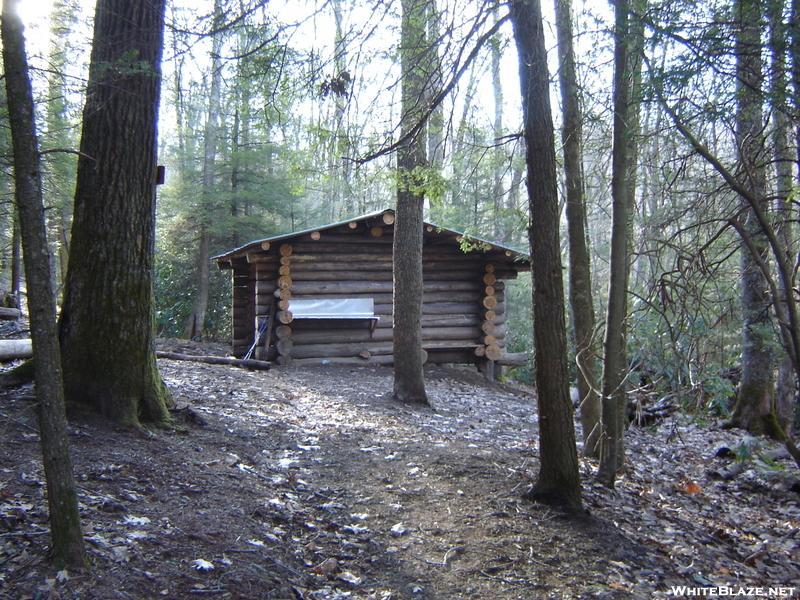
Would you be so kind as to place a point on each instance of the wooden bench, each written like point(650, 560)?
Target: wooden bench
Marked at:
point(335, 308)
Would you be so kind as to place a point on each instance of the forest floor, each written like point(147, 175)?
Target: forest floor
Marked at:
point(312, 483)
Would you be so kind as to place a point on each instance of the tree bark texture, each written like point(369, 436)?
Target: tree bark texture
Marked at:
point(786, 384)
point(755, 397)
point(65, 526)
point(409, 383)
point(615, 363)
point(107, 321)
point(558, 481)
point(580, 279)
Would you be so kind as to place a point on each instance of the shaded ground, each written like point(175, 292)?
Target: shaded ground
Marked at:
point(312, 483)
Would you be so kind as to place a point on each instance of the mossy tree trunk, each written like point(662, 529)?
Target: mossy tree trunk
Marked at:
point(107, 321)
point(62, 497)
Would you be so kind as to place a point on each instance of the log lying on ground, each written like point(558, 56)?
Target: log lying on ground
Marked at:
point(256, 365)
point(10, 314)
point(513, 359)
point(14, 349)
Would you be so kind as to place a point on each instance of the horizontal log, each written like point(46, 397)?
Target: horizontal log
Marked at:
point(268, 266)
point(284, 316)
point(284, 361)
point(513, 359)
point(241, 331)
point(284, 282)
point(379, 265)
point(360, 237)
point(347, 287)
point(448, 308)
point(258, 256)
point(330, 336)
point(242, 312)
point(507, 273)
point(436, 320)
point(217, 360)
point(379, 275)
point(284, 270)
point(283, 332)
point(342, 350)
point(285, 250)
point(498, 310)
point(262, 287)
point(370, 250)
point(15, 349)
point(487, 327)
point(489, 278)
point(459, 357)
point(384, 360)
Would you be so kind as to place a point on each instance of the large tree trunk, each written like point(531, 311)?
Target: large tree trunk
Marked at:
point(107, 333)
point(754, 402)
point(409, 383)
point(558, 481)
point(62, 497)
point(580, 280)
point(615, 364)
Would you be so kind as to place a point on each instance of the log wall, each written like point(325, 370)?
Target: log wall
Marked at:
point(463, 297)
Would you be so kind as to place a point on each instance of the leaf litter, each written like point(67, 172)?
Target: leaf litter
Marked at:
point(311, 483)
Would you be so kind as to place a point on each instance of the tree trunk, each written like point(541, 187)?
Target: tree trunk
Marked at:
point(409, 383)
point(62, 497)
point(580, 280)
point(196, 324)
point(106, 327)
point(16, 263)
point(786, 385)
point(615, 364)
point(754, 409)
point(558, 481)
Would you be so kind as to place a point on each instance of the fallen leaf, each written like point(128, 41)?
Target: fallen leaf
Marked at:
point(326, 567)
point(349, 577)
point(202, 565)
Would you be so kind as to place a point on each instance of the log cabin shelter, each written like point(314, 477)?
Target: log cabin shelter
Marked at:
point(324, 295)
